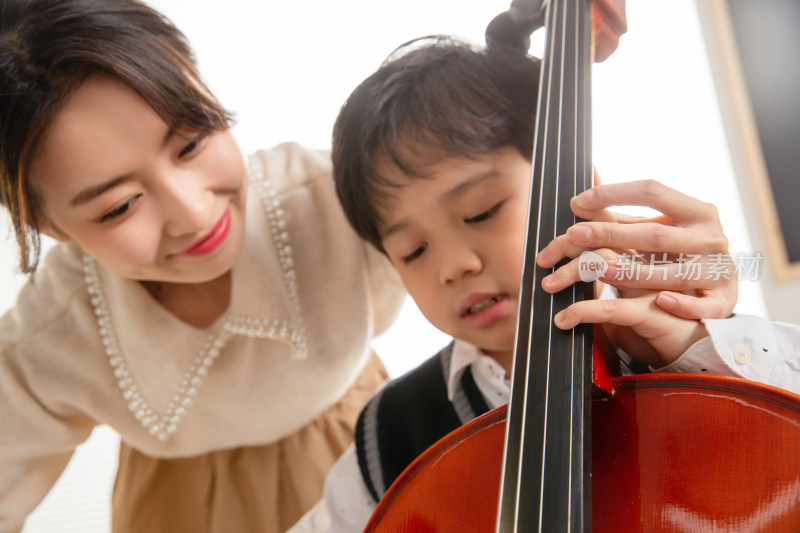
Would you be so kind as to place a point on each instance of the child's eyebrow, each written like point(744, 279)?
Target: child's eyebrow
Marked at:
point(394, 228)
point(468, 184)
point(90, 193)
point(455, 192)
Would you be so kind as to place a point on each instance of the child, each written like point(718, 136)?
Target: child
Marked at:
point(215, 312)
point(432, 165)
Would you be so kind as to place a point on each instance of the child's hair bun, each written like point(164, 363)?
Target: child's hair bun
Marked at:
point(513, 28)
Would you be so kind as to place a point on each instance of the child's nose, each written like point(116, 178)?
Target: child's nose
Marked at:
point(459, 261)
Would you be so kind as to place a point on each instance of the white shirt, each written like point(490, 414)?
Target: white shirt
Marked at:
point(743, 346)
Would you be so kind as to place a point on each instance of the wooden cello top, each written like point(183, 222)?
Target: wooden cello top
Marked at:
point(671, 452)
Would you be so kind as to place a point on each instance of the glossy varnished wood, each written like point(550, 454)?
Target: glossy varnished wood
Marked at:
point(695, 453)
point(453, 486)
point(671, 453)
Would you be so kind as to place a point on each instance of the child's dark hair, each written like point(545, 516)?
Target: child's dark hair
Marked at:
point(433, 97)
point(49, 47)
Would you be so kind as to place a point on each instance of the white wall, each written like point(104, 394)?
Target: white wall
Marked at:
point(780, 294)
point(286, 67)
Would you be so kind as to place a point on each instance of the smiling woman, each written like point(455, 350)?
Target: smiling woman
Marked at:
point(173, 298)
point(285, 68)
point(141, 198)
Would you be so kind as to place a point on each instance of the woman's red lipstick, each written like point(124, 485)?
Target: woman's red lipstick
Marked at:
point(214, 239)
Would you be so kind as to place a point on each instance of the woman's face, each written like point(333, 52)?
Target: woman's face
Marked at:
point(148, 203)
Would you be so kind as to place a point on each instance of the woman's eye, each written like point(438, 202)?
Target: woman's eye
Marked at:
point(120, 210)
point(192, 145)
point(415, 254)
point(485, 215)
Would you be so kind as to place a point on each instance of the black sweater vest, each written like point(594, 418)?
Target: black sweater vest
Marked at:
point(410, 414)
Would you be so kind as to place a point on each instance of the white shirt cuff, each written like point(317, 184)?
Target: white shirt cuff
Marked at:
point(748, 347)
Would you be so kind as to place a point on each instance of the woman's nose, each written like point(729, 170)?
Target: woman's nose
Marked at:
point(188, 205)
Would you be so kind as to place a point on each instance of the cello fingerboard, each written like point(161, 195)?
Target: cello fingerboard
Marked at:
point(547, 463)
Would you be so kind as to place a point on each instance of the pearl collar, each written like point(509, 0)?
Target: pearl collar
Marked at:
point(165, 424)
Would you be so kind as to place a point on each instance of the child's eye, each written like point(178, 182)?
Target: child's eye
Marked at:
point(192, 145)
point(120, 210)
point(485, 215)
point(415, 254)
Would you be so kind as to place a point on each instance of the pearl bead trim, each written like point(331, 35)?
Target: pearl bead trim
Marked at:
point(295, 332)
point(161, 425)
point(164, 425)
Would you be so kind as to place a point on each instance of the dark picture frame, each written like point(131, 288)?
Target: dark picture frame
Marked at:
point(753, 46)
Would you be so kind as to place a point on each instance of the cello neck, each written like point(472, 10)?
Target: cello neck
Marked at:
point(547, 464)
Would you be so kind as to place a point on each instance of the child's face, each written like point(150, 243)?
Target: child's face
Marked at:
point(146, 202)
point(457, 241)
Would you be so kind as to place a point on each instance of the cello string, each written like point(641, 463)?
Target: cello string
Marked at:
point(556, 13)
point(562, 19)
point(572, 406)
point(543, 110)
point(556, 187)
point(561, 134)
point(547, 138)
point(554, 181)
point(508, 518)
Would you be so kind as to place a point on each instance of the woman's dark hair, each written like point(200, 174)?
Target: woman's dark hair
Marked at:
point(49, 47)
point(432, 98)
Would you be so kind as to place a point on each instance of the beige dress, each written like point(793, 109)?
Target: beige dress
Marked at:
point(251, 489)
point(231, 427)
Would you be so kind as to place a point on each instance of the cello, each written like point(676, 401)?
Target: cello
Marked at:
point(580, 448)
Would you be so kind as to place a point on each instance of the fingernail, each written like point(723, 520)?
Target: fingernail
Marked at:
point(610, 275)
point(582, 200)
point(540, 257)
point(559, 318)
point(667, 302)
point(580, 234)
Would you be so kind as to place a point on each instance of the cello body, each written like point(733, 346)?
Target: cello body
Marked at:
point(670, 453)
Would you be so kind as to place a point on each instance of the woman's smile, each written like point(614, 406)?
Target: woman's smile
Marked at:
point(214, 239)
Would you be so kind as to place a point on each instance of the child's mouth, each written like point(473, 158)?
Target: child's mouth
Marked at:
point(483, 305)
point(488, 311)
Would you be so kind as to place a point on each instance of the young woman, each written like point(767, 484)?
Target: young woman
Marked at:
point(214, 311)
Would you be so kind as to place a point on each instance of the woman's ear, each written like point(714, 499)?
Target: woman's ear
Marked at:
point(49, 229)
